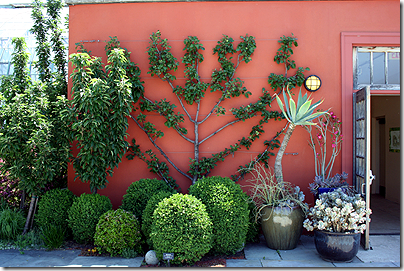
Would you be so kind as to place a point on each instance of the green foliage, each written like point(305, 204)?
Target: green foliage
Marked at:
point(84, 214)
point(102, 101)
point(153, 163)
point(128, 253)
point(163, 64)
point(227, 206)
point(53, 235)
point(147, 216)
point(11, 224)
point(138, 194)
point(33, 142)
point(53, 207)
point(30, 240)
point(181, 225)
point(279, 82)
point(253, 226)
point(118, 230)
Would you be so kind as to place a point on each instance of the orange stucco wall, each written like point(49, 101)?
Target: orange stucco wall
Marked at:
point(317, 25)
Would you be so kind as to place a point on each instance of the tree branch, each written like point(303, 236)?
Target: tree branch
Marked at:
point(161, 151)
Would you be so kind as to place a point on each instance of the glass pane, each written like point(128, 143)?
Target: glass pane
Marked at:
point(363, 68)
point(394, 68)
point(379, 68)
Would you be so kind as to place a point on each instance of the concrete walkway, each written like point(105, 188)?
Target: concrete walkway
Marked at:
point(385, 253)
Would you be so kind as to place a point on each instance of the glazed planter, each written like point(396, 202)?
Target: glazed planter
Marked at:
point(337, 246)
point(282, 226)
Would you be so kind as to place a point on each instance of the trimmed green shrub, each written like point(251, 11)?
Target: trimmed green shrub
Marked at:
point(12, 223)
point(253, 226)
point(117, 231)
point(84, 214)
point(139, 192)
point(53, 207)
point(53, 235)
point(147, 217)
point(228, 208)
point(181, 226)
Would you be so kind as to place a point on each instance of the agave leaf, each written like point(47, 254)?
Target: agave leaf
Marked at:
point(301, 99)
point(286, 104)
point(292, 110)
point(282, 108)
point(303, 110)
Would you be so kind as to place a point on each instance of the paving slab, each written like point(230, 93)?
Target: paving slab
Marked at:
point(260, 251)
point(300, 253)
point(384, 247)
point(361, 264)
point(37, 258)
point(243, 263)
point(283, 263)
point(84, 261)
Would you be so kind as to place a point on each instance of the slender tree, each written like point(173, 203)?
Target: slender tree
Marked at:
point(34, 146)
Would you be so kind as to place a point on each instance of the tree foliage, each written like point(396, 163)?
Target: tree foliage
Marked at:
point(102, 101)
point(34, 146)
point(223, 80)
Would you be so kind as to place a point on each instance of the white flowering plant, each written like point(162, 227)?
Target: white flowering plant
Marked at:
point(338, 211)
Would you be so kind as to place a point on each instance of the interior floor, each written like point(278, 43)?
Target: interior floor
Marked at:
point(385, 217)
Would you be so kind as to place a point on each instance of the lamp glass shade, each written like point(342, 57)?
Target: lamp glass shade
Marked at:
point(312, 83)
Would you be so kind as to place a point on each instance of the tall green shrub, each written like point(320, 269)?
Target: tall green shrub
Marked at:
point(181, 225)
point(33, 140)
point(84, 215)
point(53, 207)
point(102, 101)
point(139, 192)
point(227, 206)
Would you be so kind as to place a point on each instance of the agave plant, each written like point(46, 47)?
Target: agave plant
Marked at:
point(296, 114)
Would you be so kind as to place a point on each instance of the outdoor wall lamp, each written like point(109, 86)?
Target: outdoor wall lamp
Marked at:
point(312, 83)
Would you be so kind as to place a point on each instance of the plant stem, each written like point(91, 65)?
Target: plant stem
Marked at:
point(281, 151)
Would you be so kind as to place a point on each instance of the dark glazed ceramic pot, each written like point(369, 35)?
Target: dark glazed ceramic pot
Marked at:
point(337, 246)
point(282, 226)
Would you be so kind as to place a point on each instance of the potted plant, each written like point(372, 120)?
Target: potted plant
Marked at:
point(281, 209)
point(328, 125)
point(338, 219)
point(276, 202)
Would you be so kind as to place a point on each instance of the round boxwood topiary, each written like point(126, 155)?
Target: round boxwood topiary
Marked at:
point(116, 231)
point(181, 226)
point(139, 192)
point(147, 217)
point(228, 208)
point(53, 207)
point(84, 214)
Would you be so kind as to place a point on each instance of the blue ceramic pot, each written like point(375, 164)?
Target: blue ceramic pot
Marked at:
point(337, 246)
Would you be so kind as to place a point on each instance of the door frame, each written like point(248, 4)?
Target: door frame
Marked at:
point(348, 41)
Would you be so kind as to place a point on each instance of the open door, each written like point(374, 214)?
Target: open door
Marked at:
point(361, 150)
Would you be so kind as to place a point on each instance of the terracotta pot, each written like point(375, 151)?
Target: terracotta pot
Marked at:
point(337, 246)
point(282, 226)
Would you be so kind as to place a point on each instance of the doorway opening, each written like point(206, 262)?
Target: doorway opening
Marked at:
point(385, 165)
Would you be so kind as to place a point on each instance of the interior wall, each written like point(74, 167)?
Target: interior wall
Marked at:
point(389, 108)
